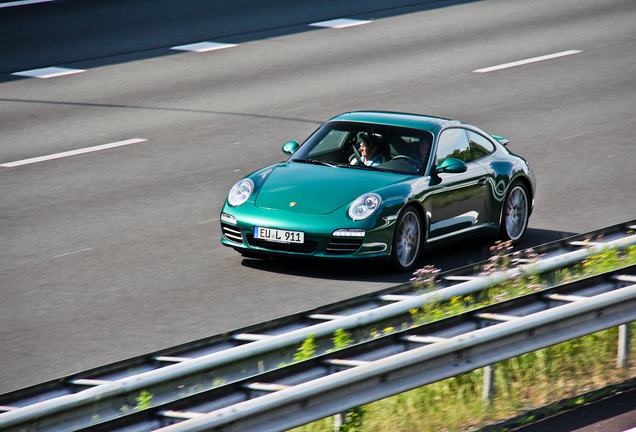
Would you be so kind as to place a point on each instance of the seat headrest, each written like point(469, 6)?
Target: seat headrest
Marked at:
point(372, 137)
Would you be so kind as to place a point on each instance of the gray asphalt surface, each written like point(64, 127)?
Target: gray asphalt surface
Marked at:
point(113, 254)
point(614, 413)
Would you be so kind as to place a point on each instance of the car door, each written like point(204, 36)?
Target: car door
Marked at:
point(456, 198)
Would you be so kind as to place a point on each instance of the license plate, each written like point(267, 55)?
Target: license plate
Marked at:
point(278, 235)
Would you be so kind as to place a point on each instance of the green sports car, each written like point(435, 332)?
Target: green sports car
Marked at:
point(380, 185)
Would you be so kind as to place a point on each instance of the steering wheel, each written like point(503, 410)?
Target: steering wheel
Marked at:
point(357, 157)
point(408, 159)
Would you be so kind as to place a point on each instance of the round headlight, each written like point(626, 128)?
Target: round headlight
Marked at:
point(240, 192)
point(364, 206)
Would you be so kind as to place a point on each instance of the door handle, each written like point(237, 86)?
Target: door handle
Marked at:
point(482, 182)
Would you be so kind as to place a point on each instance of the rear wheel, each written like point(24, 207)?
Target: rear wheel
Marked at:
point(516, 211)
point(407, 240)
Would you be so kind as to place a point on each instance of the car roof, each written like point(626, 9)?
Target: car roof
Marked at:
point(415, 121)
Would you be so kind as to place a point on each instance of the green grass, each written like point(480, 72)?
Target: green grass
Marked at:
point(538, 379)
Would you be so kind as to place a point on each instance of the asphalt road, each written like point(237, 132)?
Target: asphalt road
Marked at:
point(614, 413)
point(115, 253)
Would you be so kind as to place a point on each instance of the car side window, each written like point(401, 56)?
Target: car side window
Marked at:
point(453, 143)
point(480, 145)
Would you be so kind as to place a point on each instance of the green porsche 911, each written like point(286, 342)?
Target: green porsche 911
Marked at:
point(380, 185)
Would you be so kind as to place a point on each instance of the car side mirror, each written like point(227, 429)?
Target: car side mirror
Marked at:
point(451, 165)
point(290, 147)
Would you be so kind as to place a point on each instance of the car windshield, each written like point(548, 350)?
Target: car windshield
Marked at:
point(367, 146)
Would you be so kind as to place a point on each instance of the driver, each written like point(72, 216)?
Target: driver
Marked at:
point(370, 152)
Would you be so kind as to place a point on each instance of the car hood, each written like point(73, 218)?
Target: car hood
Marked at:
point(317, 189)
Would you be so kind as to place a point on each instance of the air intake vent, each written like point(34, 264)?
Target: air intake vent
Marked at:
point(344, 245)
point(232, 233)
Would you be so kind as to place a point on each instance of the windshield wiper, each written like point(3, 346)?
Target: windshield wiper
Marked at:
point(371, 168)
point(366, 167)
point(316, 162)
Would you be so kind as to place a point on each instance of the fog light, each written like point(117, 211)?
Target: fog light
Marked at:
point(228, 218)
point(349, 232)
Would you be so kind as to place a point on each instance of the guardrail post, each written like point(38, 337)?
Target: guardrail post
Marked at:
point(339, 420)
point(488, 393)
point(624, 333)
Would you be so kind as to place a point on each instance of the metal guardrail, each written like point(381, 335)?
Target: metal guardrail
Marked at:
point(321, 397)
point(106, 399)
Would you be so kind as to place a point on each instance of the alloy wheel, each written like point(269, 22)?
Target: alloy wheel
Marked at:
point(516, 212)
point(407, 241)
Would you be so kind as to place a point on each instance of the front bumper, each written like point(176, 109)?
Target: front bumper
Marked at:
point(319, 241)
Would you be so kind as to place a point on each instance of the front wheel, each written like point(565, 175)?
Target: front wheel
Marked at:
point(407, 240)
point(516, 211)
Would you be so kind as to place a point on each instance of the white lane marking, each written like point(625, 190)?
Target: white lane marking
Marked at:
point(72, 253)
point(572, 136)
point(208, 221)
point(72, 153)
point(340, 23)
point(295, 109)
point(203, 47)
point(527, 61)
point(49, 72)
point(23, 3)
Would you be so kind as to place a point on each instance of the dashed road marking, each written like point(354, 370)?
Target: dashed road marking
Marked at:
point(48, 72)
point(340, 23)
point(72, 253)
point(573, 136)
point(72, 153)
point(203, 47)
point(22, 3)
point(527, 61)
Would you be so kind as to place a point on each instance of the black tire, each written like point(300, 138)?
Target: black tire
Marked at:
point(407, 240)
point(515, 213)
